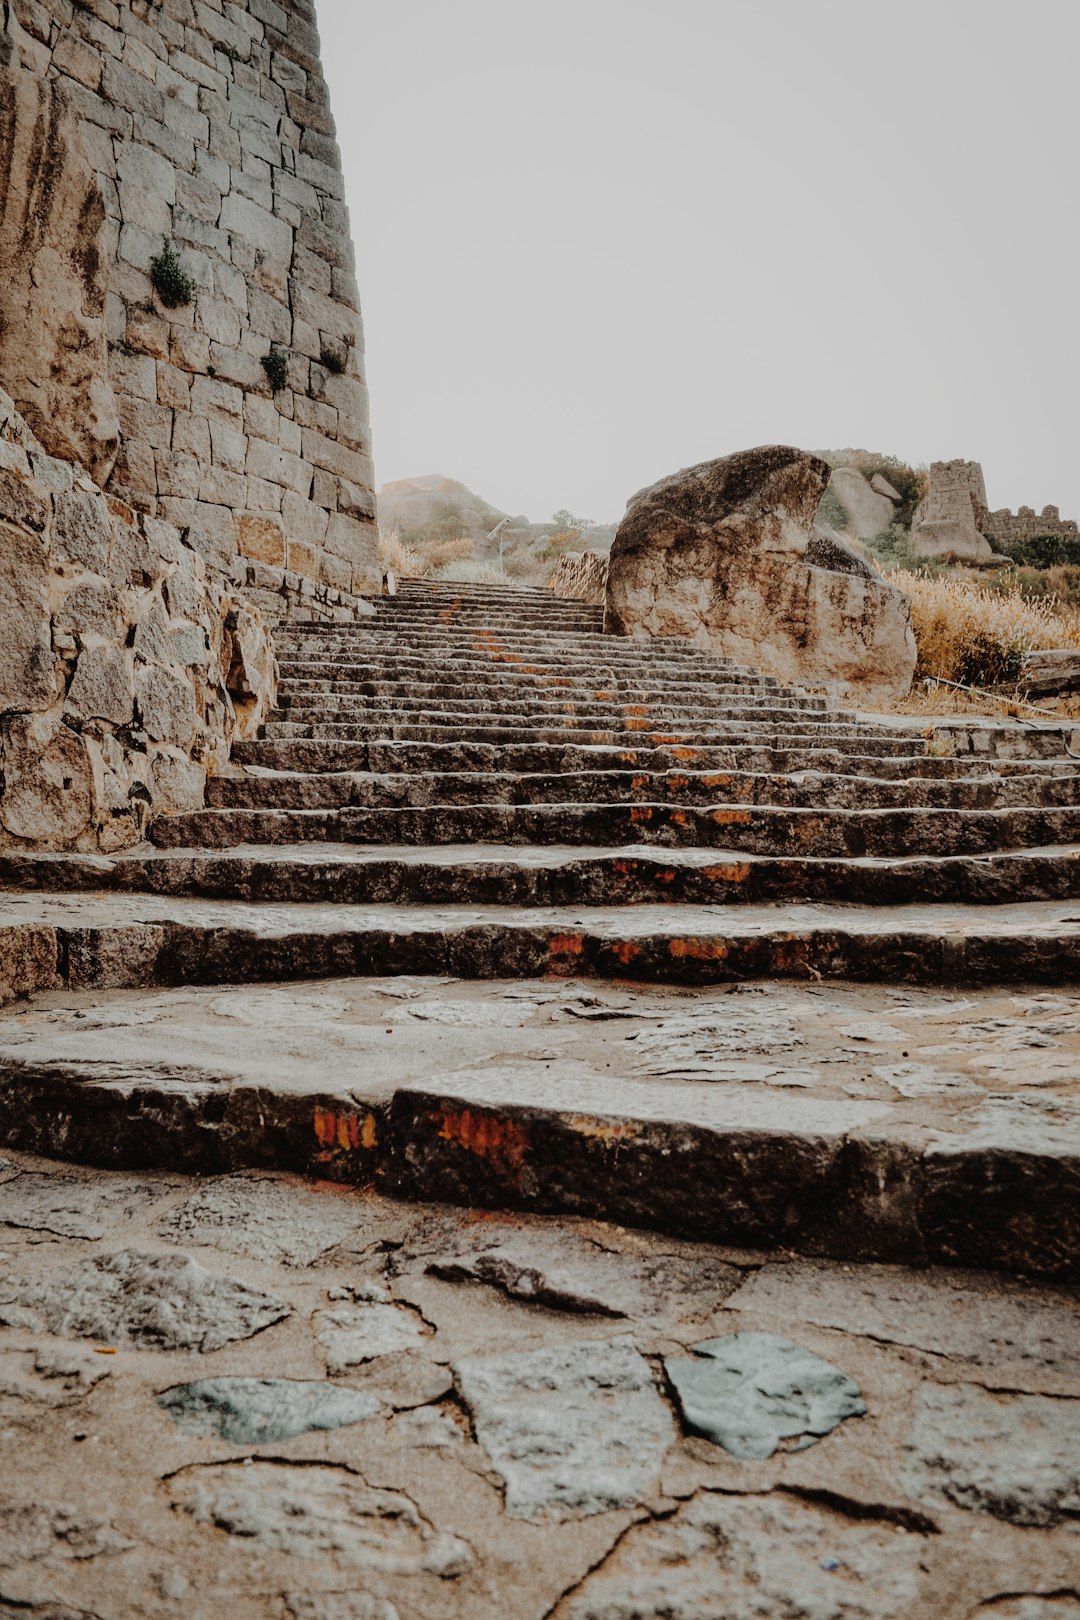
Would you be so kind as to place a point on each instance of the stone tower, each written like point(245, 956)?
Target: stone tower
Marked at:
point(204, 128)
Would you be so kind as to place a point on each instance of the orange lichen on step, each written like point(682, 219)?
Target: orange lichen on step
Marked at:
point(716, 781)
point(676, 784)
point(603, 697)
point(641, 812)
point(679, 818)
point(638, 782)
point(626, 951)
point(726, 874)
point(566, 944)
point(685, 754)
point(628, 757)
point(344, 1129)
point(791, 955)
point(500, 1141)
point(604, 1130)
point(635, 708)
point(699, 950)
point(728, 816)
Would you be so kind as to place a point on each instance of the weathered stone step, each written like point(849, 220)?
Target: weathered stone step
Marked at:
point(437, 681)
point(87, 941)
point(777, 1153)
point(333, 790)
point(763, 830)
point(747, 734)
point(518, 709)
point(308, 755)
point(552, 875)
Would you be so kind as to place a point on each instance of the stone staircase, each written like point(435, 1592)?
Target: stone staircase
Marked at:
point(476, 783)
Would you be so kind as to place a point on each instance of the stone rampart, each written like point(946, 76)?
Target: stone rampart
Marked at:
point(206, 129)
point(581, 576)
point(956, 501)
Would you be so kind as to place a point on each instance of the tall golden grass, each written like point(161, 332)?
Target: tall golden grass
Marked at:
point(965, 632)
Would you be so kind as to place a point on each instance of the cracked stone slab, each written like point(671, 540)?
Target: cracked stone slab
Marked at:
point(577, 1274)
point(52, 1533)
point(572, 1431)
point(338, 1606)
point(752, 1558)
point(749, 1392)
point(71, 1208)
point(349, 1335)
point(1016, 1457)
point(982, 1320)
point(1066, 1607)
point(45, 1378)
point(264, 1219)
point(319, 1512)
point(149, 1301)
point(254, 1411)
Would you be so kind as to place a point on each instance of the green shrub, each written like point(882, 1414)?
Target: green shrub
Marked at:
point(335, 360)
point(276, 366)
point(832, 513)
point(1047, 551)
point(990, 660)
point(171, 281)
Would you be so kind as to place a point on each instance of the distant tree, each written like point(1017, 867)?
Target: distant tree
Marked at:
point(567, 524)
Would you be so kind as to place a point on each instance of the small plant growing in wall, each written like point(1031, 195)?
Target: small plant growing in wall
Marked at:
point(335, 358)
point(171, 281)
point(276, 366)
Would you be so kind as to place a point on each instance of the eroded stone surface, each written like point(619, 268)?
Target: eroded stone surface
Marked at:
point(321, 1513)
point(749, 1392)
point(265, 1219)
point(952, 1314)
point(150, 1301)
point(572, 1432)
point(1016, 1457)
point(81, 1209)
point(349, 1335)
point(745, 1559)
point(254, 1411)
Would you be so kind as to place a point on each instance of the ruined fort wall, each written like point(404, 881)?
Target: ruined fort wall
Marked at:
point(207, 125)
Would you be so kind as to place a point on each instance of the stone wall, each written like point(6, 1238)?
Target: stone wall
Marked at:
point(582, 576)
point(126, 669)
point(205, 125)
point(956, 494)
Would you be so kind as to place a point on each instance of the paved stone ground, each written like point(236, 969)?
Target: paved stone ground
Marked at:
point(251, 1396)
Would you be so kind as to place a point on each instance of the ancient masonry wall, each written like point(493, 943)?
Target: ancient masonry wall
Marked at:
point(208, 126)
point(957, 489)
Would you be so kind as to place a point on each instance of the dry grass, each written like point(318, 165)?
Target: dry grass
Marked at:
point(397, 557)
point(965, 632)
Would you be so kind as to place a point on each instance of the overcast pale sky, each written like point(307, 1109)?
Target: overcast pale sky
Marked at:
point(598, 240)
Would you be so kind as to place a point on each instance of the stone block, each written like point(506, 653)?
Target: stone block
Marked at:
point(261, 536)
point(23, 502)
point(147, 171)
point(81, 529)
point(102, 685)
point(166, 704)
point(48, 796)
point(27, 675)
point(258, 226)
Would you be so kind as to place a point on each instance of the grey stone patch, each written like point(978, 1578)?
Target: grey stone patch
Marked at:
point(873, 1031)
point(252, 1411)
point(752, 1558)
point(408, 988)
point(699, 1045)
point(321, 1512)
point(1065, 1606)
point(989, 1320)
point(46, 1378)
point(748, 1392)
point(268, 1220)
point(473, 1014)
point(921, 1079)
point(307, 1008)
point(573, 1431)
point(568, 1271)
point(427, 1428)
point(76, 1209)
point(353, 1334)
point(149, 1301)
point(1044, 1125)
point(1016, 1457)
point(50, 1532)
point(338, 1606)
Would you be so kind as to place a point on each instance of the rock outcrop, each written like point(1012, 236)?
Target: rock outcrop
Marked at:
point(53, 353)
point(725, 553)
point(868, 510)
point(126, 667)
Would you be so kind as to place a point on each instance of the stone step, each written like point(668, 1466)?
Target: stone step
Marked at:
point(299, 790)
point(333, 708)
point(629, 735)
point(808, 1148)
point(436, 681)
point(553, 875)
point(391, 758)
point(762, 830)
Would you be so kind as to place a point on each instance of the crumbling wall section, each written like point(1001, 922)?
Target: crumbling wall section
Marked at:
point(207, 125)
point(956, 495)
point(126, 668)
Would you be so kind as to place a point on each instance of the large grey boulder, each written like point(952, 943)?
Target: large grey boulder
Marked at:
point(868, 511)
point(726, 554)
